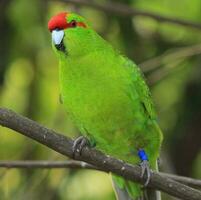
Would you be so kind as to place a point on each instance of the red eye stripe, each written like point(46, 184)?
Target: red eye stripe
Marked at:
point(74, 24)
point(81, 24)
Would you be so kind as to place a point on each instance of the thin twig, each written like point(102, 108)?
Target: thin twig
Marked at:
point(34, 164)
point(162, 73)
point(158, 68)
point(64, 145)
point(124, 10)
point(73, 164)
point(169, 57)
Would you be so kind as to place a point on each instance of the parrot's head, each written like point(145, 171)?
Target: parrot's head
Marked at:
point(71, 34)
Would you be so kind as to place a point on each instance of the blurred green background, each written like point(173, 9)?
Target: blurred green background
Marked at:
point(169, 54)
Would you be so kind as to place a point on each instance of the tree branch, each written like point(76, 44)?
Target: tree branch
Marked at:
point(64, 145)
point(124, 10)
point(73, 164)
point(185, 180)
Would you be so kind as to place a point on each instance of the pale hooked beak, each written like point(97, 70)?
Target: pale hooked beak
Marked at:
point(57, 37)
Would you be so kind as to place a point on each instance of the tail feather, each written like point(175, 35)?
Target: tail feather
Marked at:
point(158, 193)
point(121, 193)
point(153, 194)
point(127, 190)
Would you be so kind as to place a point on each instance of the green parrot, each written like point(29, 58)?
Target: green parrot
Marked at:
point(107, 98)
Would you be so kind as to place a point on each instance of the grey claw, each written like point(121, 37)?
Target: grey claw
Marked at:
point(145, 170)
point(79, 143)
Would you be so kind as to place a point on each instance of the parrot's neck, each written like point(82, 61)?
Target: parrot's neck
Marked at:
point(86, 64)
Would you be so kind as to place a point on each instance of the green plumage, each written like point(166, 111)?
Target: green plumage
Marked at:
point(106, 96)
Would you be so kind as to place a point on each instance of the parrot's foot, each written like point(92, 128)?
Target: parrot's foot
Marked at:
point(79, 144)
point(145, 170)
point(144, 166)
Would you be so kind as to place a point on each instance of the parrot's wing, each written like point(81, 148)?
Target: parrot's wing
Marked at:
point(144, 95)
point(139, 84)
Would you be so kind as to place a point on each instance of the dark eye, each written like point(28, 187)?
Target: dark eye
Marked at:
point(73, 23)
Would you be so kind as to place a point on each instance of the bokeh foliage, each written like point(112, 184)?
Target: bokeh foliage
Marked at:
point(29, 86)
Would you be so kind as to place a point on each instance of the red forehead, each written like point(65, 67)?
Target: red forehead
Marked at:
point(58, 21)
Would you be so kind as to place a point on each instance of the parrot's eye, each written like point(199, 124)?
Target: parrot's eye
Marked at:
point(73, 23)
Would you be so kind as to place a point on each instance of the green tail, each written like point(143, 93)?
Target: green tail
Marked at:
point(127, 190)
